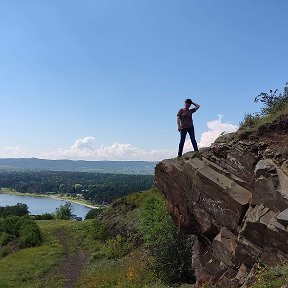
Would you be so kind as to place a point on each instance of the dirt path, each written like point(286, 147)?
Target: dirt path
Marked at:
point(72, 264)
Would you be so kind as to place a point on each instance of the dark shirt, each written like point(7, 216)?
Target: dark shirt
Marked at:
point(186, 117)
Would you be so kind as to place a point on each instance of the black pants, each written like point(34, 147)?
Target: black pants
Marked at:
point(183, 133)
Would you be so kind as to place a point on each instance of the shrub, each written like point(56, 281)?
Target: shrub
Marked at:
point(30, 235)
point(97, 255)
point(64, 212)
point(45, 216)
point(4, 251)
point(20, 227)
point(19, 209)
point(171, 251)
point(4, 238)
point(100, 231)
point(274, 105)
point(250, 120)
point(93, 213)
point(117, 247)
point(11, 225)
point(273, 101)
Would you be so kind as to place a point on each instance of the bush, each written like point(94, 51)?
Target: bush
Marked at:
point(117, 247)
point(30, 235)
point(11, 225)
point(100, 231)
point(274, 105)
point(23, 228)
point(250, 120)
point(93, 213)
point(97, 256)
point(45, 216)
point(4, 238)
point(17, 210)
point(172, 252)
point(273, 101)
point(64, 212)
point(4, 251)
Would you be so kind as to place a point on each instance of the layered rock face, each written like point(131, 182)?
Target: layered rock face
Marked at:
point(234, 197)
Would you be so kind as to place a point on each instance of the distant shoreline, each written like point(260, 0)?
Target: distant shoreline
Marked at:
point(55, 196)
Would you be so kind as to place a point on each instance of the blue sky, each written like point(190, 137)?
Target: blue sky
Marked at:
point(106, 73)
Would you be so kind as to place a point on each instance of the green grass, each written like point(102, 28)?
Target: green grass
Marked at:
point(30, 267)
point(12, 192)
point(275, 277)
point(129, 271)
point(37, 267)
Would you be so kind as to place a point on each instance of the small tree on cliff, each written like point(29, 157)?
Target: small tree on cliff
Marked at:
point(275, 104)
point(273, 101)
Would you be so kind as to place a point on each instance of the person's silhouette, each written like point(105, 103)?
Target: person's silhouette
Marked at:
point(185, 125)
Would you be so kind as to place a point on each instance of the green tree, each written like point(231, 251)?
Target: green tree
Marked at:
point(17, 228)
point(64, 212)
point(93, 213)
point(19, 209)
point(30, 234)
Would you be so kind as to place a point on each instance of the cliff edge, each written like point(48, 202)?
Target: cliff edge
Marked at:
point(234, 197)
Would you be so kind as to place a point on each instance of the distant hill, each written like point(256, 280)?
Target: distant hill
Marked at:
point(120, 167)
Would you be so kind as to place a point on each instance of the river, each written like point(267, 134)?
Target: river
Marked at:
point(41, 205)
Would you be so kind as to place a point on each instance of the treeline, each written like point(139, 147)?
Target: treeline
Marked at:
point(95, 187)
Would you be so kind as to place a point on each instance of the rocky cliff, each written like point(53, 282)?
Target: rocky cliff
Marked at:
point(234, 197)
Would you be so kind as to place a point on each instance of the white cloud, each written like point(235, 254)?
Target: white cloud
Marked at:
point(85, 148)
point(13, 152)
point(216, 128)
point(84, 143)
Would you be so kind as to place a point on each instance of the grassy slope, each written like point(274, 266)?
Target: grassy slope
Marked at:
point(31, 267)
point(39, 267)
point(124, 272)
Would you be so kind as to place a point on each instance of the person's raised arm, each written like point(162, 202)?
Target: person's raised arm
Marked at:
point(197, 106)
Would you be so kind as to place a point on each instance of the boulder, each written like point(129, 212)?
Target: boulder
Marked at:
point(282, 218)
point(200, 198)
point(271, 186)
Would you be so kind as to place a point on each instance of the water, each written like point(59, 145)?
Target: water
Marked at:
point(40, 205)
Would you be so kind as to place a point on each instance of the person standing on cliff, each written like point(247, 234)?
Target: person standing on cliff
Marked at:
point(185, 125)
